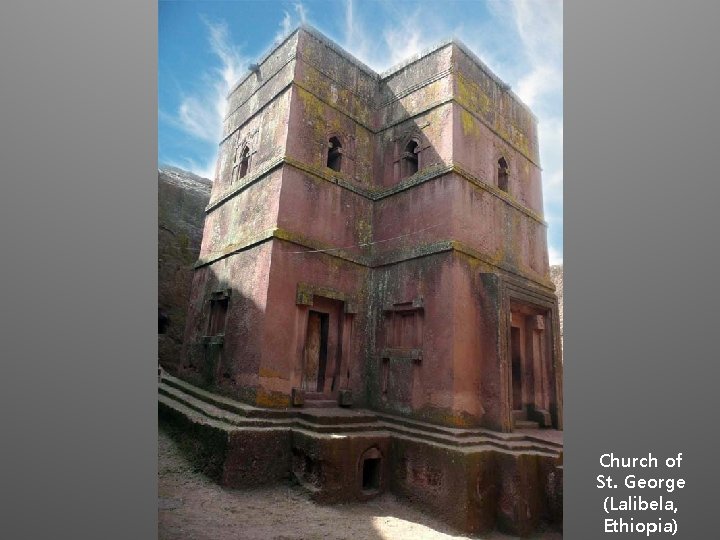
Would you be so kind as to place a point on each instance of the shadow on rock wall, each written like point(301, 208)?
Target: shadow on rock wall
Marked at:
point(182, 198)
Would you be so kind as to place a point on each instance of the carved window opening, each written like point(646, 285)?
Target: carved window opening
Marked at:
point(219, 303)
point(244, 162)
point(502, 174)
point(241, 163)
point(334, 157)
point(404, 330)
point(163, 322)
point(410, 159)
point(385, 374)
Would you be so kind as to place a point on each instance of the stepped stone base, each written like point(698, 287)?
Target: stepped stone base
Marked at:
point(474, 479)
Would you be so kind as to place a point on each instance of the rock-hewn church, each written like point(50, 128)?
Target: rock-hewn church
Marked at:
point(372, 308)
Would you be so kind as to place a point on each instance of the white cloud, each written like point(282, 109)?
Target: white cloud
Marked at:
point(542, 79)
point(550, 135)
point(206, 170)
point(289, 21)
point(200, 113)
point(356, 39)
point(301, 11)
point(540, 26)
point(193, 115)
point(285, 27)
point(406, 38)
point(402, 43)
point(232, 65)
point(556, 256)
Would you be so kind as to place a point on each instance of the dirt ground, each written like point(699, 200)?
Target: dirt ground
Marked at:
point(192, 507)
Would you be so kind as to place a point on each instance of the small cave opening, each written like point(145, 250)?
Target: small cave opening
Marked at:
point(371, 474)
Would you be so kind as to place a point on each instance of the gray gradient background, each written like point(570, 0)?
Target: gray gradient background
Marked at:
point(642, 236)
point(78, 113)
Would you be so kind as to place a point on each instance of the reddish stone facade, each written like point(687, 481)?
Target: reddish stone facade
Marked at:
point(378, 239)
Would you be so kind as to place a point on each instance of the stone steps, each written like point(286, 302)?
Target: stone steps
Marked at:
point(320, 404)
point(519, 445)
point(216, 413)
point(211, 408)
point(223, 402)
point(335, 415)
point(467, 433)
point(526, 424)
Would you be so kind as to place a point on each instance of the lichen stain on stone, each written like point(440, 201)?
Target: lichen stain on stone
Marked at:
point(271, 374)
point(272, 400)
point(363, 230)
point(468, 124)
point(471, 95)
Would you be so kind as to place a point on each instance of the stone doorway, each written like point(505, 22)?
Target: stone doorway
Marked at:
point(316, 348)
point(516, 357)
point(531, 370)
point(322, 350)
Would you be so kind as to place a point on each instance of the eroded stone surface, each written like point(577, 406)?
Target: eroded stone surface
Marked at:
point(182, 198)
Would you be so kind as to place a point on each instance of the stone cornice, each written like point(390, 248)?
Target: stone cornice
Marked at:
point(414, 88)
point(425, 175)
point(244, 183)
point(246, 243)
point(373, 260)
point(265, 83)
point(424, 110)
point(496, 133)
point(256, 113)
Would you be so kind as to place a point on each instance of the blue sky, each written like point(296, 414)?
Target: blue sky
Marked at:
point(205, 47)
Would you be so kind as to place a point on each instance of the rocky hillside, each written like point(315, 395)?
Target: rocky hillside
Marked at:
point(182, 198)
point(556, 275)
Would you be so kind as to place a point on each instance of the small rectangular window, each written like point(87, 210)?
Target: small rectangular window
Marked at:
point(218, 315)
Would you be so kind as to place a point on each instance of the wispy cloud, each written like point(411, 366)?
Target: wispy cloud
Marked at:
point(405, 39)
point(356, 39)
point(301, 11)
point(405, 33)
point(539, 25)
point(550, 134)
point(555, 256)
point(200, 113)
point(205, 170)
point(290, 21)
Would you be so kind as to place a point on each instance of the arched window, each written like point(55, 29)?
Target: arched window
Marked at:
point(502, 174)
point(244, 162)
point(410, 159)
point(334, 157)
point(241, 163)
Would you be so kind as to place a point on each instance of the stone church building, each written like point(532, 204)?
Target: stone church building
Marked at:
point(374, 245)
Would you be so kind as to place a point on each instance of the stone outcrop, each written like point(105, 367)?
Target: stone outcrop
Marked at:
point(182, 198)
point(556, 275)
